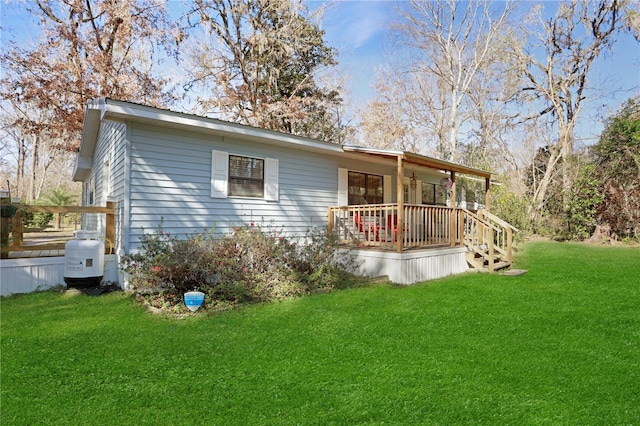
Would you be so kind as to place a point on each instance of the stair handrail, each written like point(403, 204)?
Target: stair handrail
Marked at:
point(498, 220)
point(507, 226)
point(492, 231)
point(480, 219)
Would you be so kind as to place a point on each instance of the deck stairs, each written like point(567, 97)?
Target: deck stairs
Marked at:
point(478, 257)
point(489, 241)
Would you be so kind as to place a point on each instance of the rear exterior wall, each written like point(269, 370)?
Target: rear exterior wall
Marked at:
point(170, 182)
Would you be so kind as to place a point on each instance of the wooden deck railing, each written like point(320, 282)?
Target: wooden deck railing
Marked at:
point(16, 230)
point(489, 236)
point(424, 226)
point(504, 235)
point(377, 225)
point(479, 237)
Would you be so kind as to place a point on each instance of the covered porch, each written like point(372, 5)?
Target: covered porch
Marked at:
point(387, 227)
point(405, 226)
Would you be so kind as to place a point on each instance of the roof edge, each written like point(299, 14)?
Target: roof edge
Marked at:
point(93, 114)
point(124, 110)
point(419, 159)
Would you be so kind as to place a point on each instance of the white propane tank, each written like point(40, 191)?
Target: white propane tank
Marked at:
point(84, 260)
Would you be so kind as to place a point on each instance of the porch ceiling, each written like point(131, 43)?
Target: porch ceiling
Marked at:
point(420, 160)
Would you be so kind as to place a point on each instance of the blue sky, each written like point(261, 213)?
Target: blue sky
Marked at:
point(359, 30)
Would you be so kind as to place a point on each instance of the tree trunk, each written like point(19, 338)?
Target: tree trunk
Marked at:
point(22, 158)
point(566, 151)
point(34, 170)
point(450, 154)
point(540, 191)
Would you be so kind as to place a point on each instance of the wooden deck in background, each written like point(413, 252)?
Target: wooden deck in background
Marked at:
point(35, 253)
point(47, 243)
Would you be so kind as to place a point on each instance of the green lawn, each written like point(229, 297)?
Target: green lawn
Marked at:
point(559, 345)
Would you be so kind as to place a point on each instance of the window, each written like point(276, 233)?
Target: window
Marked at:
point(246, 176)
point(240, 176)
point(365, 188)
point(90, 190)
point(428, 193)
point(441, 196)
point(106, 179)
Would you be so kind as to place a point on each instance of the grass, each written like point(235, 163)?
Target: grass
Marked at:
point(558, 345)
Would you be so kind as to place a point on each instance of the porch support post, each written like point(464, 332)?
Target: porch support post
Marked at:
point(400, 196)
point(452, 218)
point(487, 197)
point(453, 189)
point(4, 228)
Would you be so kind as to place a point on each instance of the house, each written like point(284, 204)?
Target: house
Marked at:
point(195, 173)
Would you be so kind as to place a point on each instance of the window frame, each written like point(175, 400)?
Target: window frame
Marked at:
point(235, 178)
point(220, 176)
point(432, 191)
point(366, 195)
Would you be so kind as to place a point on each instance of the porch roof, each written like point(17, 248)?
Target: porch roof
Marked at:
point(417, 159)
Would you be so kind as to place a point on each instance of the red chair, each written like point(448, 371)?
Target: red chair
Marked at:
point(366, 227)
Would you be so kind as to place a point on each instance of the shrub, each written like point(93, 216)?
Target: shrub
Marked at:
point(36, 219)
point(583, 204)
point(252, 263)
point(143, 266)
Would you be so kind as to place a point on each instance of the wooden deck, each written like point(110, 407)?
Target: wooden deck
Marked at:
point(46, 243)
point(391, 227)
point(34, 253)
point(18, 242)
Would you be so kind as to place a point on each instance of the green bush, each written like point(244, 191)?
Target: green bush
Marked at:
point(511, 208)
point(583, 204)
point(252, 263)
point(36, 219)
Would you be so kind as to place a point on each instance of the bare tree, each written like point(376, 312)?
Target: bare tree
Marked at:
point(404, 113)
point(452, 42)
point(88, 49)
point(571, 40)
point(633, 20)
point(387, 121)
point(491, 128)
point(259, 62)
point(33, 151)
point(382, 126)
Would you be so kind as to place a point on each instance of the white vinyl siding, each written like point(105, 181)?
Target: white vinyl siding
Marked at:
point(172, 179)
point(107, 179)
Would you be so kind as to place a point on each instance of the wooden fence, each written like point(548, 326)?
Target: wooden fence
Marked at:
point(12, 228)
